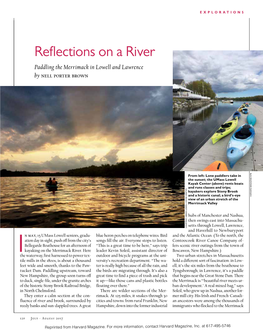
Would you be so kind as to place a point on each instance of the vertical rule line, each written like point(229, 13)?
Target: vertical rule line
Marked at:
point(13, 228)
point(249, 33)
point(14, 271)
point(14, 49)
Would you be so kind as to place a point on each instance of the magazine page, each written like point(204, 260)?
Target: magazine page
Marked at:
point(131, 165)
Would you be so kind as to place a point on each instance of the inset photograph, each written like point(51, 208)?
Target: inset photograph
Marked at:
point(88, 157)
point(218, 110)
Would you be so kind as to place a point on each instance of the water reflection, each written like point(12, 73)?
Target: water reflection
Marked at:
point(91, 202)
point(201, 114)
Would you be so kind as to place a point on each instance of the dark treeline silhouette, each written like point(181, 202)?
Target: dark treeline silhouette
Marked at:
point(5, 172)
point(132, 169)
point(250, 98)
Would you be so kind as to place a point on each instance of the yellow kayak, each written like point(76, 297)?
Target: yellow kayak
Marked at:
point(224, 130)
point(241, 107)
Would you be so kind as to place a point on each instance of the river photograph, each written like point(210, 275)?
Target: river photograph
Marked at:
point(91, 202)
point(211, 97)
point(88, 157)
point(191, 130)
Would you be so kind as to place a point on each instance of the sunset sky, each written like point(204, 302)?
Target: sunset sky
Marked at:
point(61, 128)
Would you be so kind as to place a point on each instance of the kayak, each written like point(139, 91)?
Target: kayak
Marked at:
point(240, 143)
point(224, 130)
point(245, 110)
point(241, 107)
point(216, 166)
point(236, 115)
point(51, 186)
point(251, 120)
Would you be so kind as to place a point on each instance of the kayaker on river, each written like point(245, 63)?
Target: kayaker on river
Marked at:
point(54, 181)
point(49, 181)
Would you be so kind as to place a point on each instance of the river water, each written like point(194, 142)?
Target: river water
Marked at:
point(192, 129)
point(91, 202)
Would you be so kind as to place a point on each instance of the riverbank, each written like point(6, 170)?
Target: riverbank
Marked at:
point(132, 169)
point(187, 105)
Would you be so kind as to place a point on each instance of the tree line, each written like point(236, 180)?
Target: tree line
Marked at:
point(132, 169)
point(8, 173)
point(247, 98)
point(250, 98)
point(202, 88)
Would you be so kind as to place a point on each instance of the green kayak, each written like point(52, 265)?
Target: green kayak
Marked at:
point(224, 130)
